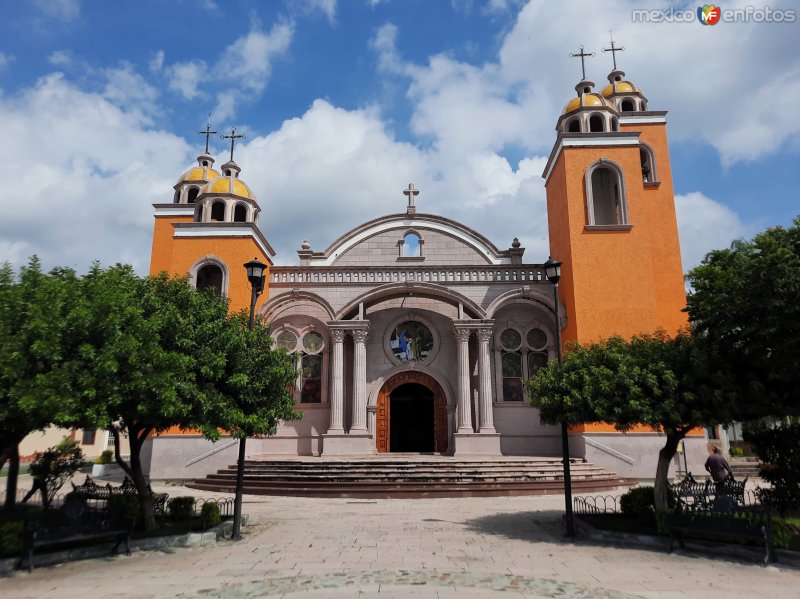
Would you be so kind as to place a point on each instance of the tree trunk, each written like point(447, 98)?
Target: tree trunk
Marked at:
point(134, 472)
point(662, 471)
point(12, 452)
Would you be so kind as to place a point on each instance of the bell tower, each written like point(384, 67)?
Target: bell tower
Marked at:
point(210, 230)
point(611, 214)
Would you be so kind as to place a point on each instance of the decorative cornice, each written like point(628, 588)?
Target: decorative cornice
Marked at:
point(588, 140)
point(216, 229)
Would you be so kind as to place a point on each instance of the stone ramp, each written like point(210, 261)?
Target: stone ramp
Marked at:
point(409, 476)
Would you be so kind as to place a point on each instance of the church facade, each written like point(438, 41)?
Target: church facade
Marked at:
point(413, 333)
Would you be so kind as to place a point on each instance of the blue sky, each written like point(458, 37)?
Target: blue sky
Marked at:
point(344, 102)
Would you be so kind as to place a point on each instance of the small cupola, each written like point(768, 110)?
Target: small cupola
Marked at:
point(624, 95)
point(589, 112)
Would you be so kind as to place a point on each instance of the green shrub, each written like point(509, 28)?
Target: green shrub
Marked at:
point(209, 514)
point(11, 539)
point(736, 452)
point(779, 450)
point(639, 501)
point(181, 508)
point(105, 458)
point(56, 465)
point(124, 506)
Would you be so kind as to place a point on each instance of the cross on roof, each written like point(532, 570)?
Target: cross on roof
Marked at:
point(582, 55)
point(411, 192)
point(613, 49)
point(208, 132)
point(233, 137)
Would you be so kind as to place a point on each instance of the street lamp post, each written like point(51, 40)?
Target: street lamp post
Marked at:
point(552, 269)
point(255, 274)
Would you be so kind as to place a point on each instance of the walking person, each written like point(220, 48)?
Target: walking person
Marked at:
point(718, 468)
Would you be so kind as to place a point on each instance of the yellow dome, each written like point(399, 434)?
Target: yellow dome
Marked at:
point(229, 185)
point(199, 173)
point(619, 87)
point(586, 101)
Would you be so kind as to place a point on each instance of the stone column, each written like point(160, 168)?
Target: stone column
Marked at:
point(337, 385)
point(464, 408)
point(359, 381)
point(485, 382)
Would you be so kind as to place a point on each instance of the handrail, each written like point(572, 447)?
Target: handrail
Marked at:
point(210, 453)
point(376, 275)
point(609, 450)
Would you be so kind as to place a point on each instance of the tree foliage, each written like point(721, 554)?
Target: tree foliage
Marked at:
point(665, 383)
point(779, 450)
point(35, 332)
point(745, 304)
point(55, 466)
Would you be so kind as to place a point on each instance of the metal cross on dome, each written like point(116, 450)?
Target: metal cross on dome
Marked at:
point(582, 55)
point(411, 192)
point(613, 49)
point(208, 132)
point(233, 137)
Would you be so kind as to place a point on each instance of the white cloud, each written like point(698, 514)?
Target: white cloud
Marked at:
point(704, 225)
point(87, 172)
point(185, 77)
point(65, 10)
point(60, 58)
point(5, 60)
point(240, 74)
point(326, 7)
point(374, 3)
point(129, 90)
point(156, 63)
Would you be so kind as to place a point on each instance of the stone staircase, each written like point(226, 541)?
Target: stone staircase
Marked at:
point(412, 475)
point(745, 467)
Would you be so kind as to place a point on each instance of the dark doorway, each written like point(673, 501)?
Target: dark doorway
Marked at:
point(411, 418)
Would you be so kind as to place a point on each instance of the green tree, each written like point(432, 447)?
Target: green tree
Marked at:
point(55, 466)
point(155, 354)
point(667, 384)
point(34, 330)
point(745, 304)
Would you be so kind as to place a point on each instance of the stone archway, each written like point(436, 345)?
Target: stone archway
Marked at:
point(383, 410)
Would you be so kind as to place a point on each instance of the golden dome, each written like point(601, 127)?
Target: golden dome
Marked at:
point(620, 87)
point(199, 173)
point(586, 101)
point(229, 185)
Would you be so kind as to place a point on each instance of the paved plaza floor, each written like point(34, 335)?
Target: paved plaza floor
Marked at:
point(428, 548)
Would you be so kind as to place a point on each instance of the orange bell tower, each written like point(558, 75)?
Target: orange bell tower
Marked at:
point(210, 230)
point(611, 215)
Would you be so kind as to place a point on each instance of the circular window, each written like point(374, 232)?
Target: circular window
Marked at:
point(411, 341)
point(312, 342)
point(510, 339)
point(537, 338)
point(287, 340)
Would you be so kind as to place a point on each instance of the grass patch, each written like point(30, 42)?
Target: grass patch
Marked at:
point(23, 469)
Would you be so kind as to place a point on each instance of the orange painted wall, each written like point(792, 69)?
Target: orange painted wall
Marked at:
point(161, 252)
point(617, 282)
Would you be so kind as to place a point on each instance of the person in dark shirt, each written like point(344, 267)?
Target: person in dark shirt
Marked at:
point(717, 467)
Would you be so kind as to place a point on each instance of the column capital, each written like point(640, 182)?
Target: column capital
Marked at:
point(337, 335)
point(360, 335)
point(461, 333)
point(484, 333)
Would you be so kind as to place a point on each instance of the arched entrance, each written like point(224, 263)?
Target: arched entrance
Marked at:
point(411, 415)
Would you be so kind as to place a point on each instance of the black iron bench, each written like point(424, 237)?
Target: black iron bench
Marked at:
point(723, 525)
point(691, 494)
point(91, 490)
point(74, 524)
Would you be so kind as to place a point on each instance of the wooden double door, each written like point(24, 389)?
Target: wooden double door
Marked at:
point(411, 415)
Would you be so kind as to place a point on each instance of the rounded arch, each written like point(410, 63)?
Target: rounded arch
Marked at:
point(614, 123)
point(191, 195)
point(419, 289)
point(274, 304)
point(176, 199)
point(596, 123)
point(606, 202)
point(573, 125)
point(210, 260)
point(380, 399)
point(217, 211)
point(542, 299)
point(648, 160)
point(627, 105)
point(240, 213)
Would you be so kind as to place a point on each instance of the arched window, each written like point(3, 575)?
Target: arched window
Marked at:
point(521, 358)
point(218, 211)
point(648, 164)
point(412, 246)
point(228, 173)
point(574, 126)
point(605, 196)
point(209, 277)
point(626, 105)
point(205, 162)
point(308, 350)
point(614, 124)
point(644, 104)
point(596, 123)
point(240, 213)
point(198, 214)
point(177, 196)
point(192, 195)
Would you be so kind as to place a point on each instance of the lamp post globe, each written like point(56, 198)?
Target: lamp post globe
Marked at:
point(552, 269)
